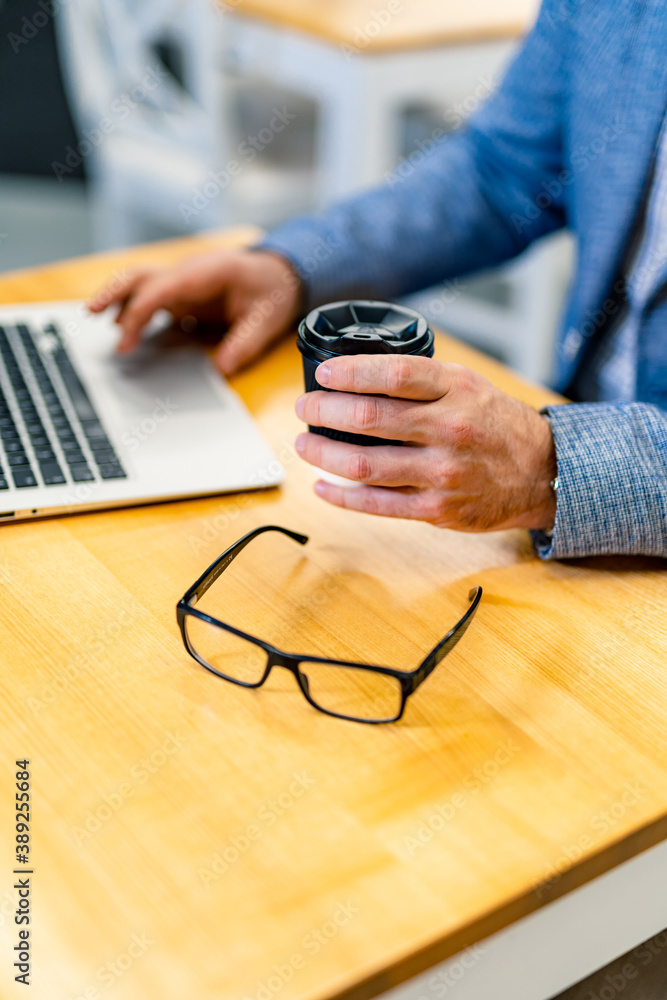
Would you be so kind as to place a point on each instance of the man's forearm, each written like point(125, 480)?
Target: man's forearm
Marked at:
point(612, 472)
point(396, 239)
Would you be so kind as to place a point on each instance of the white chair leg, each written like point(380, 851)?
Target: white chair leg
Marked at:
point(358, 133)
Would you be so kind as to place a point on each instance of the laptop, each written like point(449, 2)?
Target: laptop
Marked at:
point(84, 429)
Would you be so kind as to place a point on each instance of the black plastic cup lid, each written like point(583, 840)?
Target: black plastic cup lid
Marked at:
point(364, 327)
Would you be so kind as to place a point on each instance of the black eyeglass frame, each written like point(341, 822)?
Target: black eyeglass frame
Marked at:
point(409, 680)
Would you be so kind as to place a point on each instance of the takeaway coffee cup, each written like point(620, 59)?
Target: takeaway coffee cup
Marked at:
point(359, 327)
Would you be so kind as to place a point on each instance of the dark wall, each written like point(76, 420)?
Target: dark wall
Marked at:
point(35, 123)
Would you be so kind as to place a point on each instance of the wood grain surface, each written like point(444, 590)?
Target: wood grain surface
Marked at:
point(191, 838)
point(375, 26)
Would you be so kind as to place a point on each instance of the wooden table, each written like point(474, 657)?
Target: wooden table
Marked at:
point(395, 24)
point(191, 838)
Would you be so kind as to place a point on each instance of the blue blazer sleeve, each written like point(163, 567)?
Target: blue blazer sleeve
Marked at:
point(472, 203)
point(612, 481)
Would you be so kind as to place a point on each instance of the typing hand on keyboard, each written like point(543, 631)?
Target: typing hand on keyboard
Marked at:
point(255, 296)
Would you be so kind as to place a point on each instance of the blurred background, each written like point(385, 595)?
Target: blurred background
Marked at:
point(126, 121)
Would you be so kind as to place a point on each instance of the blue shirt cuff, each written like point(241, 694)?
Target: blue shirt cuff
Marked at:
point(612, 496)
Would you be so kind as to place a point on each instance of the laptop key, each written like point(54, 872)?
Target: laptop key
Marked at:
point(51, 473)
point(75, 458)
point(64, 430)
point(93, 428)
point(69, 443)
point(113, 471)
point(106, 457)
point(17, 458)
point(13, 445)
point(81, 473)
point(75, 387)
point(100, 444)
point(23, 477)
point(45, 455)
point(4, 485)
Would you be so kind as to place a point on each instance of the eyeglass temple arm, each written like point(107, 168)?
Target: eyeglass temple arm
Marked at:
point(209, 577)
point(447, 643)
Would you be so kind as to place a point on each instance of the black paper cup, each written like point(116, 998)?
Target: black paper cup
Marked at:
point(359, 327)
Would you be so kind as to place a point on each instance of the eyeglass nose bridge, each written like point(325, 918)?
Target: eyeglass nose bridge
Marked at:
point(289, 663)
point(280, 660)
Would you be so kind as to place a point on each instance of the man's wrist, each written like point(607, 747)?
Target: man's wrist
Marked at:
point(545, 499)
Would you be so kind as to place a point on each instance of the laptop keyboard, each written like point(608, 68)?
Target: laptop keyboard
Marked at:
point(59, 437)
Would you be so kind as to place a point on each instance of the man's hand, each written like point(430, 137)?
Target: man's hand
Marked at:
point(474, 459)
point(256, 294)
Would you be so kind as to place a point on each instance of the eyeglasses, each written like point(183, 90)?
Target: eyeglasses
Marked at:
point(359, 692)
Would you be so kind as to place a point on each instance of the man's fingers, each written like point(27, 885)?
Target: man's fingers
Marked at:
point(122, 310)
point(382, 465)
point(238, 348)
point(158, 292)
point(244, 340)
point(377, 500)
point(399, 419)
point(390, 374)
point(260, 323)
point(140, 293)
point(119, 288)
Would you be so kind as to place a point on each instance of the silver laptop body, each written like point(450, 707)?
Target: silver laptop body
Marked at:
point(83, 429)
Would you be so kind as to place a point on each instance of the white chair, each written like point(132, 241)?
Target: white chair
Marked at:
point(149, 144)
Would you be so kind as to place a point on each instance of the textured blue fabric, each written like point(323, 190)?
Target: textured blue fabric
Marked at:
point(612, 492)
point(568, 139)
point(613, 373)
